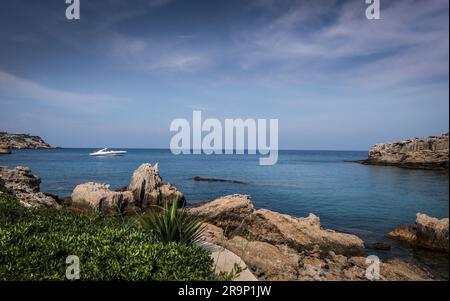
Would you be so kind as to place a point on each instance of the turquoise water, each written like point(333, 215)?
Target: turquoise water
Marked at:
point(365, 200)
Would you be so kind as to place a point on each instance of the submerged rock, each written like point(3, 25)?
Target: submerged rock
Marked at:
point(25, 187)
point(420, 153)
point(146, 189)
point(427, 233)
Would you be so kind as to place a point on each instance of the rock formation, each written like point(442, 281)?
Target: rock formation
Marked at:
point(237, 215)
point(22, 141)
point(146, 189)
point(4, 149)
point(428, 233)
point(98, 197)
point(25, 186)
point(420, 153)
point(281, 261)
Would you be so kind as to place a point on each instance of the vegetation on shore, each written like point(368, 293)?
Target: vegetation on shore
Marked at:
point(34, 245)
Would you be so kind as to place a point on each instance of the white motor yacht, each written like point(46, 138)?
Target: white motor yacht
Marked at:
point(108, 152)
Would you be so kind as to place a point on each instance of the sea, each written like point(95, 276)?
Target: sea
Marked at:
point(368, 201)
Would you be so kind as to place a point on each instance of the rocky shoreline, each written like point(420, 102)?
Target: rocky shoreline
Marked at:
point(273, 246)
point(429, 153)
point(10, 141)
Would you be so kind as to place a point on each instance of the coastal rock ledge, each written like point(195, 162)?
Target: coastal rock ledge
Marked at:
point(146, 189)
point(428, 233)
point(416, 153)
point(275, 246)
point(26, 187)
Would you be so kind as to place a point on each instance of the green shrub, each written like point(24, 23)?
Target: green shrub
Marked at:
point(34, 245)
point(171, 224)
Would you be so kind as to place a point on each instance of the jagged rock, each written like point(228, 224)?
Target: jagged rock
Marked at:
point(146, 189)
point(421, 153)
point(428, 233)
point(22, 141)
point(149, 190)
point(25, 186)
point(237, 216)
point(280, 262)
point(404, 233)
point(99, 197)
point(432, 233)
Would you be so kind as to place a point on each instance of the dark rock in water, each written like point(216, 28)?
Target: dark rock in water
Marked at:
point(416, 153)
point(121, 189)
point(427, 233)
point(5, 150)
point(25, 187)
point(378, 246)
point(22, 141)
point(200, 179)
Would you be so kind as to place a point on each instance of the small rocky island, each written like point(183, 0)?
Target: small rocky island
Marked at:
point(416, 153)
point(10, 141)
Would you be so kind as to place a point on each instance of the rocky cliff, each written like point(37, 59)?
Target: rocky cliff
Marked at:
point(419, 153)
point(21, 141)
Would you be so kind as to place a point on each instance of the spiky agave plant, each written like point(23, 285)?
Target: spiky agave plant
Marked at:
point(171, 224)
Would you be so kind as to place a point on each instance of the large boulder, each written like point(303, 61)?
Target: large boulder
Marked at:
point(98, 197)
point(428, 233)
point(237, 216)
point(228, 212)
point(301, 233)
point(148, 189)
point(25, 187)
point(432, 233)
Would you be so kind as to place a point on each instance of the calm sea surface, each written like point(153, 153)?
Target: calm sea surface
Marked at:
point(368, 201)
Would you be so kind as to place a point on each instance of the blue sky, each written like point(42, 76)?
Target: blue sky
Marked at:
point(122, 73)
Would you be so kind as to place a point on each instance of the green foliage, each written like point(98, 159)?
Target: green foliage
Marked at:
point(171, 224)
point(232, 275)
point(34, 245)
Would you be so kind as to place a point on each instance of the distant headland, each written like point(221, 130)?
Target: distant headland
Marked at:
point(10, 141)
point(415, 153)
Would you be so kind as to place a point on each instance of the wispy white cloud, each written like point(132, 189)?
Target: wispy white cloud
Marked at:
point(313, 41)
point(17, 88)
point(174, 55)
